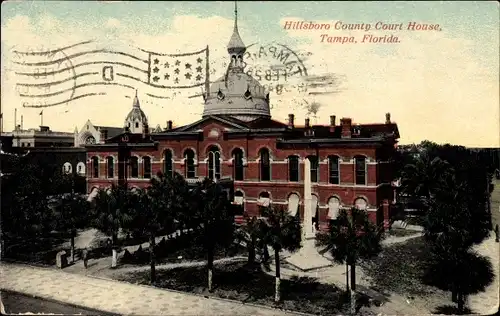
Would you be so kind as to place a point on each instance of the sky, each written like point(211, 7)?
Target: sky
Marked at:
point(440, 85)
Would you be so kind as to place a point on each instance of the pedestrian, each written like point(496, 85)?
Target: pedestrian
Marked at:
point(496, 233)
point(85, 256)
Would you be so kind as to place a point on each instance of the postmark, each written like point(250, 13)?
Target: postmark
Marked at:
point(284, 72)
point(44, 77)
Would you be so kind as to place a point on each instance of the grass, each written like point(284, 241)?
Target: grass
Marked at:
point(495, 204)
point(37, 250)
point(238, 281)
point(398, 232)
point(408, 262)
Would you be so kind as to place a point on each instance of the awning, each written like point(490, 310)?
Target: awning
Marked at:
point(238, 200)
point(262, 201)
point(293, 204)
point(92, 195)
point(333, 208)
point(360, 204)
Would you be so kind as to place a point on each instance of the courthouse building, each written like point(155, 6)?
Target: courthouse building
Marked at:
point(237, 139)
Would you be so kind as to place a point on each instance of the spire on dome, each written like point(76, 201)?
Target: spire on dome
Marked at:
point(236, 45)
point(136, 101)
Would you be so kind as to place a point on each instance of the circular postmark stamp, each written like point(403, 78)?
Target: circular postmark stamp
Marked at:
point(44, 77)
point(277, 67)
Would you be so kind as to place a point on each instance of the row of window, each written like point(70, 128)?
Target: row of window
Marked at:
point(265, 166)
point(214, 166)
point(133, 168)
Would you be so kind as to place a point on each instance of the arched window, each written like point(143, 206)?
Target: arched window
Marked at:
point(189, 162)
point(95, 167)
point(239, 203)
point(238, 164)
point(333, 170)
point(134, 167)
point(360, 166)
point(67, 168)
point(168, 166)
point(264, 199)
point(293, 168)
point(360, 204)
point(333, 208)
point(110, 167)
point(314, 168)
point(146, 165)
point(293, 204)
point(80, 168)
point(265, 165)
point(213, 163)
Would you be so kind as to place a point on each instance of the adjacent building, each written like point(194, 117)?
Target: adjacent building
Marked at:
point(42, 137)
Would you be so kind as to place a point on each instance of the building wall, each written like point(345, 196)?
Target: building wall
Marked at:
point(377, 189)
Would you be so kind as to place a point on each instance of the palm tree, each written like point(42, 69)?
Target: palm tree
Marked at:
point(213, 214)
point(353, 237)
point(72, 214)
point(425, 176)
point(281, 231)
point(112, 211)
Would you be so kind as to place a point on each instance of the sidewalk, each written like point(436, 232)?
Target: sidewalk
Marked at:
point(117, 297)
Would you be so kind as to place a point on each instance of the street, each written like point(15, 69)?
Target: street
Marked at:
point(15, 303)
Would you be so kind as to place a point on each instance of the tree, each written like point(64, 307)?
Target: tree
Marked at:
point(426, 175)
point(214, 216)
point(71, 213)
point(250, 233)
point(281, 231)
point(112, 211)
point(452, 226)
point(351, 238)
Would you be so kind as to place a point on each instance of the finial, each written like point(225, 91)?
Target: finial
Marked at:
point(236, 46)
point(136, 93)
point(235, 14)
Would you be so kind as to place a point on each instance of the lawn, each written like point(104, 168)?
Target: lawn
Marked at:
point(495, 203)
point(238, 281)
point(400, 269)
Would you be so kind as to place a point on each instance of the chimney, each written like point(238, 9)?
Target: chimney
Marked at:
point(291, 119)
point(387, 118)
point(21, 122)
point(169, 125)
point(332, 123)
point(104, 135)
point(346, 127)
point(307, 123)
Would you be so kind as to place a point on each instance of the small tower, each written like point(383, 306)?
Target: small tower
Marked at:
point(136, 119)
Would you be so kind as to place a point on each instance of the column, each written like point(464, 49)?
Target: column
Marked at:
point(307, 225)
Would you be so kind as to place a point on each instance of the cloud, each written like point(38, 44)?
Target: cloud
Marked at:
point(113, 23)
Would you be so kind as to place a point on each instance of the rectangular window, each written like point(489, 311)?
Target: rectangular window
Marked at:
point(360, 171)
point(314, 168)
point(293, 168)
point(333, 166)
point(111, 167)
point(147, 167)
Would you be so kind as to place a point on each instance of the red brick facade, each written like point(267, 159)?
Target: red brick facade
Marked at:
point(228, 136)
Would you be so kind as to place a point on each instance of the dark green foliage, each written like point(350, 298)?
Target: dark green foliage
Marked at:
point(353, 237)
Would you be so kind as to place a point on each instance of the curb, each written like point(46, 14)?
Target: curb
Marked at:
point(151, 287)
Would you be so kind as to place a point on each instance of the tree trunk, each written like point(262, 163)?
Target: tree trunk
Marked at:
point(210, 266)
point(251, 251)
point(353, 288)
point(460, 302)
point(152, 258)
point(266, 254)
point(347, 277)
point(277, 295)
point(114, 239)
point(73, 234)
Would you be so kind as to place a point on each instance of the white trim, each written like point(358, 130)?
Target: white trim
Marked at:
point(323, 184)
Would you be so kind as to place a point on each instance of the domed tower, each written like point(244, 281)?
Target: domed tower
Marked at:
point(237, 94)
point(136, 119)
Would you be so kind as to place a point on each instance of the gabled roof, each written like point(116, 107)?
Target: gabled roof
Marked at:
point(112, 131)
